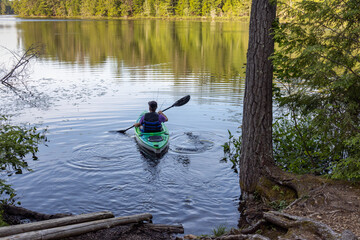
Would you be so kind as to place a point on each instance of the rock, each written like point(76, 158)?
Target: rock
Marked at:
point(190, 236)
point(348, 235)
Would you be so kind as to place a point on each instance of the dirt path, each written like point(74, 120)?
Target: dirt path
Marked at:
point(336, 204)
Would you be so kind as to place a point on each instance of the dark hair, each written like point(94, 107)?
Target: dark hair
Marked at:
point(152, 105)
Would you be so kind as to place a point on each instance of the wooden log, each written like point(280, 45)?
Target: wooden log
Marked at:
point(21, 228)
point(10, 211)
point(165, 228)
point(78, 229)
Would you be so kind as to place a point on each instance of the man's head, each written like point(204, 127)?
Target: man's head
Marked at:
point(152, 106)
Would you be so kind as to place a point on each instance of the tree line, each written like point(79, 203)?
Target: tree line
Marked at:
point(132, 8)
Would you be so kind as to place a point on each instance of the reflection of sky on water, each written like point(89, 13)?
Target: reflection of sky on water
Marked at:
point(87, 168)
point(8, 33)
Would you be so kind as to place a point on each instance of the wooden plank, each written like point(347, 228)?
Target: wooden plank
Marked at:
point(165, 228)
point(78, 229)
point(16, 229)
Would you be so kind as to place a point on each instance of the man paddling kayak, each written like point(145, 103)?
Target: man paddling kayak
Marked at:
point(151, 121)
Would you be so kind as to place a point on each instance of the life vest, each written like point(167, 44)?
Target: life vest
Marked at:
point(151, 122)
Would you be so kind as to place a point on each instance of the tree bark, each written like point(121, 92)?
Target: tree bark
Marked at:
point(256, 148)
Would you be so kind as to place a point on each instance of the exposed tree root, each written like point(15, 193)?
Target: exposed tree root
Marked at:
point(304, 228)
point(312, 197)
point(296, 228)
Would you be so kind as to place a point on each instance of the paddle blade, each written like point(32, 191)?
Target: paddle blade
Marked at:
point(182, 101)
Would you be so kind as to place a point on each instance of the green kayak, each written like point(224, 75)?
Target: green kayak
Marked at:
point(155, 142)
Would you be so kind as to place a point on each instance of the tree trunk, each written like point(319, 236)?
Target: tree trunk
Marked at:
point(256, 148)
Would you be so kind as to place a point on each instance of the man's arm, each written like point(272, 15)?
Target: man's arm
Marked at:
point(138, 124)
point(162, 114)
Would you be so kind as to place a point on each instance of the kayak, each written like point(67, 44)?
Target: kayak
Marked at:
point(154, 142)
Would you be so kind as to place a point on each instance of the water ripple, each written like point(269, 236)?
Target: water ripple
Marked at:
point(191, 143)
point(97, 157)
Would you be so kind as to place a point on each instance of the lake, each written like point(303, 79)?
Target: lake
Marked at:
point(97, 76)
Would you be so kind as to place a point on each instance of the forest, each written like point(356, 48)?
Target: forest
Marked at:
point(6, 7)
point(132, 8)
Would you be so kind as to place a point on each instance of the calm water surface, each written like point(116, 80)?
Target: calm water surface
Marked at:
point(98, 76)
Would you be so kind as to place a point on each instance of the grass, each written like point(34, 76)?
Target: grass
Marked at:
point(219, 231)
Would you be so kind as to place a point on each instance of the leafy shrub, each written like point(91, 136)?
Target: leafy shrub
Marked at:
point(16, 142)
point(232, 150)
point(219, 231)
point(317, 64)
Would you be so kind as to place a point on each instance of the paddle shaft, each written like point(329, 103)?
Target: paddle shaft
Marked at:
point(167, 108)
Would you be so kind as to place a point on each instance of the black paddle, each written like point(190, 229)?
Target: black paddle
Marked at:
point(178, 103)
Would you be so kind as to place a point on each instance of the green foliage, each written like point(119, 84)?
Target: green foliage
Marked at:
point(232, 151)
point(7, 193)
point(278, 205)
point(299, 147)
point(16, 142)
point(195, 7)
point(6, 7)
point(228, 8)
point(120, 8)
point(182, 8)
point(318, 64)
point(349, 167)
point(219, 231)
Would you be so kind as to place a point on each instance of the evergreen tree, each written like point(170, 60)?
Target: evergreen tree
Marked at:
point(138, 7)
point(163, 8)
point(211, 7)
point(149, 8)
point(2, 7)
point(6, 7)
point(127, 8)
point(256, 142)
point(113, 8)
point(241, 7)
point(61, 10)
point(182, 8)
point(88, 8)
point(42, 8)
point(227, 8)
point(195, 7)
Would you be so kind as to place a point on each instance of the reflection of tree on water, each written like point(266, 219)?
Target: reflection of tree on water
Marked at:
point(201, 48)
